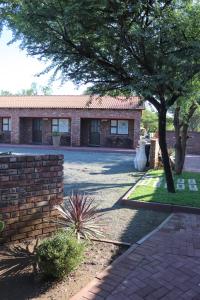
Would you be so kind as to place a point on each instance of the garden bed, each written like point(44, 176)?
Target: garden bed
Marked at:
point(23, 284)
point(151, 191)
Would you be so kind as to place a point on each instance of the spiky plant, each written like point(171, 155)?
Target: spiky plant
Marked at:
point(80, 214)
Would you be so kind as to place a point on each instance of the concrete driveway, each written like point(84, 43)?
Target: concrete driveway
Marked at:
point(106, 176)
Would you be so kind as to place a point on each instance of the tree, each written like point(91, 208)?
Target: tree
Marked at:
point(150, 121)
point(150, 47)
point(195, 121)
point(32, 91)
point(184, 110)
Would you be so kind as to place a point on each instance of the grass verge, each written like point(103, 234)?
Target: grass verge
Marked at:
point(147, 191)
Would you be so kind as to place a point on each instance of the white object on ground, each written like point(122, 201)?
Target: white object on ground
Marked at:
point(192, 181)
point(180, 180)
point(193, 187)
point(141, 158)
point(180, 186)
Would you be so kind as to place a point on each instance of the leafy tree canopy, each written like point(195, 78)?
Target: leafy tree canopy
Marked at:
point(189, 103)
point(123, 46)
point(150, 121)
point(33, 90)
point(147, 47)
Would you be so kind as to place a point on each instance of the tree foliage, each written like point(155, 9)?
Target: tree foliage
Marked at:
point(184, 111)
point(32, 91)
point(194, 124)
point(150, 121)
point(147, 47)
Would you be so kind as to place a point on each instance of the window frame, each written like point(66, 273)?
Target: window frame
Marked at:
point(116, 127)
point(8, 124)
point(55, 124)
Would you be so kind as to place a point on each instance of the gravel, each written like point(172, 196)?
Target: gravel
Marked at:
point(106, 176)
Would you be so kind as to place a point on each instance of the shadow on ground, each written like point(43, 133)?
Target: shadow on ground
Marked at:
point(107, 177)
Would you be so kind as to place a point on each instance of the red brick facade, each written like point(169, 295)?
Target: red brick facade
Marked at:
point(154, 154)
point(22, 125)
point(30, 186)
point(193, 143)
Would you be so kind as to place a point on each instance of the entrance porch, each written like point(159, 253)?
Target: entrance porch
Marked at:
point(107, 133)
point(39, 131)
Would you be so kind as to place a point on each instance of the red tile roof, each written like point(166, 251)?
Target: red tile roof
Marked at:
point(78, 101)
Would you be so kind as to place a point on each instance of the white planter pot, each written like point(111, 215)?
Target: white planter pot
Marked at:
point(141, 159)
point(135, 159)
point(56, 140)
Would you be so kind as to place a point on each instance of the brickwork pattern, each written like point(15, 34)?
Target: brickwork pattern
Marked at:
point(75, 115)
point(154, 153)
point(192, 143)
point(165, 266)
point(105, 132)
point(29, 188)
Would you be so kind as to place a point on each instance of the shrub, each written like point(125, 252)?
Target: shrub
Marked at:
point(59, 255)
point(80, 214)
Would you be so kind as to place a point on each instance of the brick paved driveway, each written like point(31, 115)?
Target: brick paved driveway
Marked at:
point(166, 266)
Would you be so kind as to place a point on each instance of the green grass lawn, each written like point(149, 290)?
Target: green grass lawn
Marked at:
point(149, 193)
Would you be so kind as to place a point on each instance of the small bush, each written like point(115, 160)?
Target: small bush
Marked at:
point(59, 255)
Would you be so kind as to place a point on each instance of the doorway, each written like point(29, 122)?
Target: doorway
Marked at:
point(37, 131)
point(94, 132)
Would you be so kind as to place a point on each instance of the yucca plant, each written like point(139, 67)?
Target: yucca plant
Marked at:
point(80, 214)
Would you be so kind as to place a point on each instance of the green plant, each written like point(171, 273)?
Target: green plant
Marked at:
point(55, 133)
point(1, 226)
point(59, 255)
point(81, 215)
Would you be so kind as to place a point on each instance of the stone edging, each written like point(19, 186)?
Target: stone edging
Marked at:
point(156, 205)
point(98, 278)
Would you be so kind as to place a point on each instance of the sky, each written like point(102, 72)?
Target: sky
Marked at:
point(18, 70)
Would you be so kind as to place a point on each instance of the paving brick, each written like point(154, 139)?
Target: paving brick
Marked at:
point(169, 273)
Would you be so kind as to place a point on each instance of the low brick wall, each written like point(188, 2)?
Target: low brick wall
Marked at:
point(29, 187)
point(192, 143)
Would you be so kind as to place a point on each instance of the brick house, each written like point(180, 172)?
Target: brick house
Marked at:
point(109, 122)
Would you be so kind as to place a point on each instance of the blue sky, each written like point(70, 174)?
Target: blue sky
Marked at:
point(17, 70)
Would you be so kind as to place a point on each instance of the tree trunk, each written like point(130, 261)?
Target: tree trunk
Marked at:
point(181, 135)
point(164, 152)
point(184, 137)
point(180, 150)
point(178, 143)
point(178, 156)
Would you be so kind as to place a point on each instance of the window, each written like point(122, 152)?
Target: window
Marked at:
point(60, 125)
point(119, 127)
point(6, 124)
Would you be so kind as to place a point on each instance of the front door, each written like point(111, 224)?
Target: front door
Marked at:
point(37, 131)
point(94, 138)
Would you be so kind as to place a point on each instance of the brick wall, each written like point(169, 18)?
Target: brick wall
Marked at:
point(76, 115)
point(29, 187)
point(26, 132)
point(154, 153)
point(105, 133)
point(193, 144)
